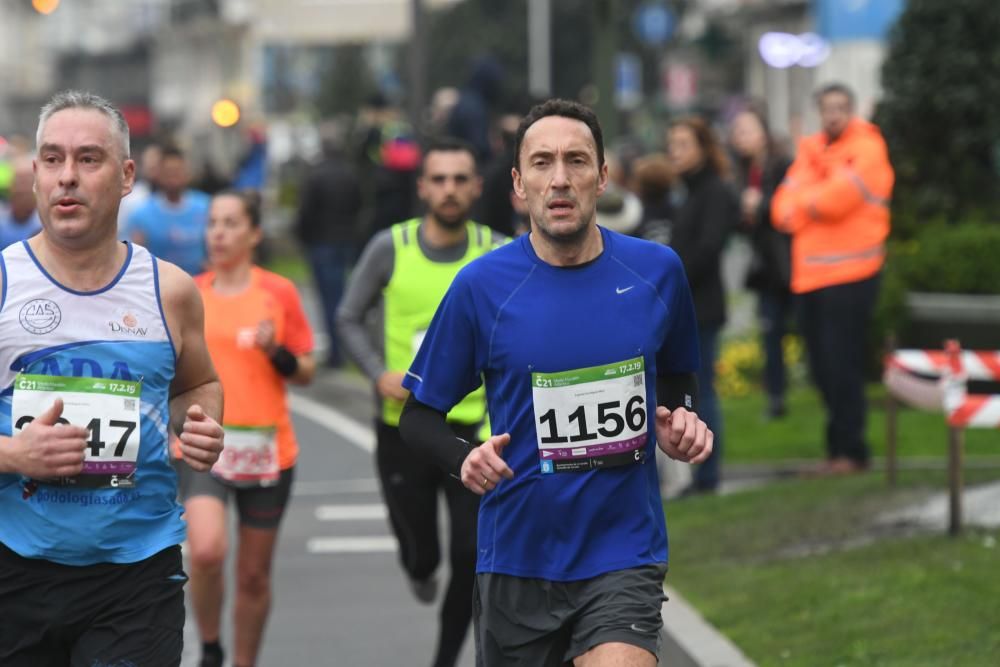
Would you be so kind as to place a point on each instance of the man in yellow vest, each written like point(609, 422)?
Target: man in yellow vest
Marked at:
point(401, 278)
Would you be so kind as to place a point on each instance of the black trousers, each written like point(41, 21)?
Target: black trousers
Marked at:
point(835, 322)
point(410, 485)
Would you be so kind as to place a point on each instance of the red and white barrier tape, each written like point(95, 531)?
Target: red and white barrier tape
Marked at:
point(978, 364)
point(953, 367)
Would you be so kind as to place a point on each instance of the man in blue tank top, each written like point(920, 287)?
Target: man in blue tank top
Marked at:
point(102, 357)
point(587, 343)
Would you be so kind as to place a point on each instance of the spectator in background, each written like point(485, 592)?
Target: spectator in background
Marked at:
point(834, 202)
point(495, 208)
point(171, 224)
point(389, 161)
point(618, 208)
point(701, 227)
point(470, 119)
point(251, 171)
point(442, 102)
point(652, 179)
point(145, 185)
point(20, 221)
point(328, 227)
point(760, 167)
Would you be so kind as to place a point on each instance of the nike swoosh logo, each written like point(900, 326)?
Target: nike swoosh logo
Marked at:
point(638, 628)
point(619, 290)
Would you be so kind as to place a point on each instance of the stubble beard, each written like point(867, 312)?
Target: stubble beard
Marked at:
point(451, 222)
point(570, 239)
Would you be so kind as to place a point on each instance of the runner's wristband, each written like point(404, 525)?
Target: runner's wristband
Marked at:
point(284, 361)
point(677, 390)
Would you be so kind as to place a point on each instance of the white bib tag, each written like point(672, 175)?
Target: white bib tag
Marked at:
point(250, 456)
point(109, 409)
point(590, 417)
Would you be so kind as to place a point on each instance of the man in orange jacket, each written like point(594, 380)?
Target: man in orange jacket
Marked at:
point(834, 202)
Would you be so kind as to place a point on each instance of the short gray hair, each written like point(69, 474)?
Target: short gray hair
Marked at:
point(80, 99)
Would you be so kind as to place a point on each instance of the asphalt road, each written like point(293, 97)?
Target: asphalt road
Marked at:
point(340, 597)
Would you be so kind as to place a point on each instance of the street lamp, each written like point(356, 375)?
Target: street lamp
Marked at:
point(45, 6)
point(225, 113)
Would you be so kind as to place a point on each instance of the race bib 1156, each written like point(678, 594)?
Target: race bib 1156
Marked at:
point(590, 417)
point(108, 409)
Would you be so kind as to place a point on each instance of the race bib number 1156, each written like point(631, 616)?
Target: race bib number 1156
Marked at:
point(108, 409)
point(590, 417)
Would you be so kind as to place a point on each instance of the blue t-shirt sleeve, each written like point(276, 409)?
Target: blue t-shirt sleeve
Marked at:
point(448, 365)
point(137, 222)
point(679, 352)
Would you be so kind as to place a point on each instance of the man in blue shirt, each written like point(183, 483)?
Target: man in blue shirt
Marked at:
point(576, 331)
point(171, 224)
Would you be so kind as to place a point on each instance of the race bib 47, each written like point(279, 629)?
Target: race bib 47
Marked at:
point(108, 409)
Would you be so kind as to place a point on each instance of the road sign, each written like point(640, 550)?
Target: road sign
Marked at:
point(680, 85)
point(628, 81)
point(653, 23)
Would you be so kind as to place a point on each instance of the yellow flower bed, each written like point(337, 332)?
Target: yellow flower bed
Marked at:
point(740, 367)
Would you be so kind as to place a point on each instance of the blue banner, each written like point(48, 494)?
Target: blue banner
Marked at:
point(847, 20)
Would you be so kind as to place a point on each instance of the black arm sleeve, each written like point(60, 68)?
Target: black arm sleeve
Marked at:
point(425, 430)
point(677, 390)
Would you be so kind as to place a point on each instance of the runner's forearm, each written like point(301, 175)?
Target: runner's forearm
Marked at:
point(208, 396)
point(427, 432)
point(6, 461)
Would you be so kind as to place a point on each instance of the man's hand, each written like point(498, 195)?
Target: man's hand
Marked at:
point(484, 467)
point(390, 385)
point(201, 439)
point(46, 448)
point(682, 436)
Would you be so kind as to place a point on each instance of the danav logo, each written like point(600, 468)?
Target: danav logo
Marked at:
point(129, 325)
point(40, 316)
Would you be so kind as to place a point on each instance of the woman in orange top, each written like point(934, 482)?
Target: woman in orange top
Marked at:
point(259, 340)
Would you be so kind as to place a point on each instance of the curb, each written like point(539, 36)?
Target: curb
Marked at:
point(690, 641)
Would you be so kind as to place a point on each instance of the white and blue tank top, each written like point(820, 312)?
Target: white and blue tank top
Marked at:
point(118, 333)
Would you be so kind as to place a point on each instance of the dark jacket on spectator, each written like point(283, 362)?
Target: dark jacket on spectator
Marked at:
point(702, 225)
point(771, 266)
point(329, 204)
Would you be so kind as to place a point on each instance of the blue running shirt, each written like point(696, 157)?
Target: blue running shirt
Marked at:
point(570, 358)
point(174, 233)
point(117, 333)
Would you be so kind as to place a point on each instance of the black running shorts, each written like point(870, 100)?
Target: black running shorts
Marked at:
point(258, 506)
point(107, 614)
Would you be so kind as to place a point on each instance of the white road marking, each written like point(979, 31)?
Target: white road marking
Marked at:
point(356, 545)
point(326, 488)
point(351, 512)
point(334, 420)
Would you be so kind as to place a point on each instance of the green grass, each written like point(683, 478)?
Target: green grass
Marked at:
point(797, 574)
point(293, 267)
point(751, 438)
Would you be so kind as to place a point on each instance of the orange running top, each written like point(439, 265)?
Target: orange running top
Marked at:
point(254, 391)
